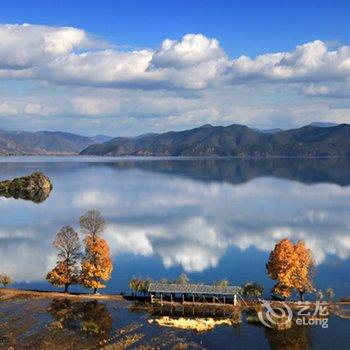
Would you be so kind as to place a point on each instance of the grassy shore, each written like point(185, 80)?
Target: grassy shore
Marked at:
point(10, 293)
point(13, 293)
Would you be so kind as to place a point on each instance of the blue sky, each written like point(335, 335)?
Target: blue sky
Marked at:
point(254, 92)
point(251, 27)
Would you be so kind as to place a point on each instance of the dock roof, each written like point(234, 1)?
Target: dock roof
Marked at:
point(193, 289)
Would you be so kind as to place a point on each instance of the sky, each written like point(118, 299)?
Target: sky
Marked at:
point(132, 67)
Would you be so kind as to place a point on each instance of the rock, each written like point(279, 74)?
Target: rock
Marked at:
point(35, 187)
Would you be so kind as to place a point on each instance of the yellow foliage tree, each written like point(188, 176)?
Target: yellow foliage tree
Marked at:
point(292, 266)
point(5, 280)
point(65, 272)
point(97, 264)
point(61, 275)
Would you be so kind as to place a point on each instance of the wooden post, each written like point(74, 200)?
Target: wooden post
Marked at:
point(161, 298)
point(183, 298)
point(224, 300)
point(171, 297)
point(234, 300)
point(193, 298)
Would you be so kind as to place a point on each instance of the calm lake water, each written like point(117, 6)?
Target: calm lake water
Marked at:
point(210, 218)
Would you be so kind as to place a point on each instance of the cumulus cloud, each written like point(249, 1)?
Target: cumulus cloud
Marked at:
point(70, 56)
point(29, 46)
point(193, 49)
point(184, 82)
point(26, 107)
point(309, 62)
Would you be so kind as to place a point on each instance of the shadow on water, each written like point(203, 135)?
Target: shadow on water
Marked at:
point(236, 171)
point(89, 316)
point(185, 310)
point(230, 170)
point(36, 197)
point(295, 338)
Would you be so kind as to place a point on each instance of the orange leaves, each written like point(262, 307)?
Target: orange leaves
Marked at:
point(292, 266)
point(304, 274)
point(96, 265)
point(62, 274)
point(282, 290)
point(66, 271)
point(5, 280)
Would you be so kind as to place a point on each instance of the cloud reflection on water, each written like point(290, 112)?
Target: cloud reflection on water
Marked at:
point(183, 221)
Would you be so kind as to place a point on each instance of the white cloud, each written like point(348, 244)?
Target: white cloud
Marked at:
point(93, 198)
point(183, 83)
point(31, 46)
point(35, 107)
point(194, 62)
point(193, 49)
point(129, 240)
point(309, 62)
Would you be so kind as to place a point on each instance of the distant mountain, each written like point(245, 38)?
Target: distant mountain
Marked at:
point(43, 142)
point(144, 135)
point(101, 138)
point(323, 125)
point(207, 140)
point(268, 131)
point(233, 140)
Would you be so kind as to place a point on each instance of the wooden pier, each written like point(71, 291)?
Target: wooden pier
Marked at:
point(193, 294)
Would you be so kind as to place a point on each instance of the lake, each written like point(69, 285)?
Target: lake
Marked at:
point(209, 218)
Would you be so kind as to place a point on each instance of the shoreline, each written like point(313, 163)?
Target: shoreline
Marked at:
point(156, 157)
point(14, 293)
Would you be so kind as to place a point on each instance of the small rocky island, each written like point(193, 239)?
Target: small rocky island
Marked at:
point(35, 187)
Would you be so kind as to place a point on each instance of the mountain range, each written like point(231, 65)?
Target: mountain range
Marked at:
point(45, 142)
point(233, 140)
point(317, 139)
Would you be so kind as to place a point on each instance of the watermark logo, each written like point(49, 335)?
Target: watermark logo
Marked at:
point(306, 314)
point(313, 314)
point(277, 315)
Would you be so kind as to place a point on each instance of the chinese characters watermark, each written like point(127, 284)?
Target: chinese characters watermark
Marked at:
point(307, 314)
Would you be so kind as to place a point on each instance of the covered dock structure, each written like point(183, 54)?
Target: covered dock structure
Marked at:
point(193, 293)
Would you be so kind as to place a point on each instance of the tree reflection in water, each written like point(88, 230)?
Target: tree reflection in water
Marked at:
point(87, 316)
point(295, 338)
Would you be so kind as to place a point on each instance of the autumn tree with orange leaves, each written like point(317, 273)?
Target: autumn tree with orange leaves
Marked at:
point(293, 267)
point(66, 271)
point(96, 264)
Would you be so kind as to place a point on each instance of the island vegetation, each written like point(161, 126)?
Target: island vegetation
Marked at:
point(35, 187)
